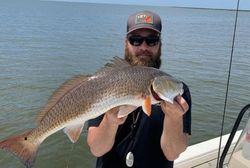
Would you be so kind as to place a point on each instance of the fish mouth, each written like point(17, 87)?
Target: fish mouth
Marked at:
point(154, 94)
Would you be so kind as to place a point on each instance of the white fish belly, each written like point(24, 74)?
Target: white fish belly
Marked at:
point(96, 110)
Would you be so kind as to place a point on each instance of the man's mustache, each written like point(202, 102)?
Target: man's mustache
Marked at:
point(146, 53)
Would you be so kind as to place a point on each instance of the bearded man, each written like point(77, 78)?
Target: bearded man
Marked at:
point(138, 140)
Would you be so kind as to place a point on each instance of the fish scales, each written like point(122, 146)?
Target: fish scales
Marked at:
point(119, 82)
point(86, 97)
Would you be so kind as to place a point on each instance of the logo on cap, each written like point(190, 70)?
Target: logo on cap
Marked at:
point(144, 18)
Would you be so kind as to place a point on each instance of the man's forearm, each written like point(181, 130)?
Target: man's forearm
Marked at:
point(101, 139)
point(173, 140)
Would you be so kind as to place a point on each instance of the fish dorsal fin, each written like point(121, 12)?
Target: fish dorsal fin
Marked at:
point(115, 63)
point(60, 92)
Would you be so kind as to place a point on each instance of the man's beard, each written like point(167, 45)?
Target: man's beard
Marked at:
point(154, 61)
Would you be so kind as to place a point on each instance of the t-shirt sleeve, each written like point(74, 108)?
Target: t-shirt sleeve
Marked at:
point(95, 122)
point(187, 116)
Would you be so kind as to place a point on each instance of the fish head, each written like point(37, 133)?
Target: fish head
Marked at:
point(166, 88)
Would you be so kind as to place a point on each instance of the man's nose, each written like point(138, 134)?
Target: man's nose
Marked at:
point(144, 45)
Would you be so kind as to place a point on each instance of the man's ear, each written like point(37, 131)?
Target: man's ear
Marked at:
point(126, 42)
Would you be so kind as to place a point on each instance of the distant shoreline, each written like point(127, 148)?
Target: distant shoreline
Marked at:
point(243, 10)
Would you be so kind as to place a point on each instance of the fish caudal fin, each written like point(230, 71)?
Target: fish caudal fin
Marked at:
point(146, 107)
point(22, 147)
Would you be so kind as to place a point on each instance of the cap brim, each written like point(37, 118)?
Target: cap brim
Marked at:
point(143, 27)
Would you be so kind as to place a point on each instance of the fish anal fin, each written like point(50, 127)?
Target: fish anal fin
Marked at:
point(125, 110)
point(147, 105)
point(73, 132)
point(60, 92)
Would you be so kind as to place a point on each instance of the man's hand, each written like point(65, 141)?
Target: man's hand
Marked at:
point(175, 110)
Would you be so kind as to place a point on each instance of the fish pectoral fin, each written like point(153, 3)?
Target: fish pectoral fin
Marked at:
point(146, 107)
point(73, 132)
point(125, 110)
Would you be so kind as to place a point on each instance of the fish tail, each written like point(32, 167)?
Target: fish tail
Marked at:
point(23, 147)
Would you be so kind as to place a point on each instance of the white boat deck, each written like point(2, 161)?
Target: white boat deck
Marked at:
point(204, 154)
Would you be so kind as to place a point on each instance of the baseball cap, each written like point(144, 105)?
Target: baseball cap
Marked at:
point(144, 19)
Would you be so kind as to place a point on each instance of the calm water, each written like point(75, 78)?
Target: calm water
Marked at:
point(42, 44)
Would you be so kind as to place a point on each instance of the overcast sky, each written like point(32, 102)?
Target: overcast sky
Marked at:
point(218, 4)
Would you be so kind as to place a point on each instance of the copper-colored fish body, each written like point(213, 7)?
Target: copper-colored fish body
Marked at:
point(86, 97)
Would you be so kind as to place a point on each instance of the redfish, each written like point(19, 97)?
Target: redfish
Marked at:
point(87, 96)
